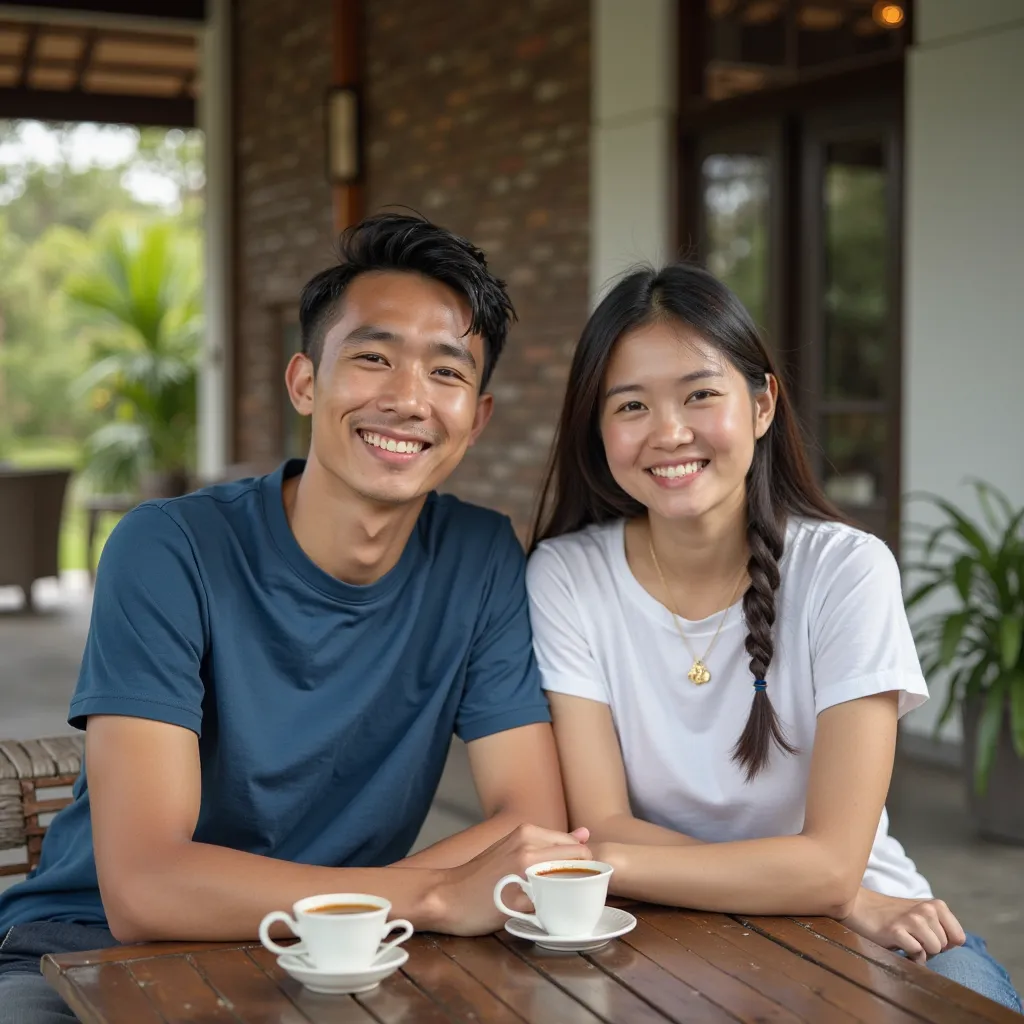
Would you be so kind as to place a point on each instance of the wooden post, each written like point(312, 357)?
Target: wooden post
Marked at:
point(347, 71)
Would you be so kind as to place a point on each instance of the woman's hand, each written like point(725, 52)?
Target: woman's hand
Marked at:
point(921, 928)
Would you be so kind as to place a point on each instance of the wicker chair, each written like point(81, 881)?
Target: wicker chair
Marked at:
point(27, 769)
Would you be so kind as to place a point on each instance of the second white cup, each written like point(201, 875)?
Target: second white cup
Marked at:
point(568, 895)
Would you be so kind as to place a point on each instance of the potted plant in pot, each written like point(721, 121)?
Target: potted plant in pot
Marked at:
point(140, 300)
point(976, 635)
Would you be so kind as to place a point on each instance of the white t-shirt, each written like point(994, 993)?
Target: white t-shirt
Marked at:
point(841, 632)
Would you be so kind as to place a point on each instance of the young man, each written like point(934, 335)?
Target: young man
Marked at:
point(275, 667)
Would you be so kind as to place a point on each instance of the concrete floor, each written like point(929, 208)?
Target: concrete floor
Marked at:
point(982, 882)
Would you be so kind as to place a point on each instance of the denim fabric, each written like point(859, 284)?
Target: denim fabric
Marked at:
point(25, 995)
point(974, 967)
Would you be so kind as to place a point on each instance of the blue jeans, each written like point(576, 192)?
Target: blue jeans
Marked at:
point(974, 967)
point(25, 995)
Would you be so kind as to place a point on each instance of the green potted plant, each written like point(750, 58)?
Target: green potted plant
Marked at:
point(975, 634)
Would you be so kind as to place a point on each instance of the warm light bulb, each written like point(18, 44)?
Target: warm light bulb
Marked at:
point(888, 15)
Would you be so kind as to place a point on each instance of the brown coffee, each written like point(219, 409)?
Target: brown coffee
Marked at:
point(343, 908)
point(568, 873)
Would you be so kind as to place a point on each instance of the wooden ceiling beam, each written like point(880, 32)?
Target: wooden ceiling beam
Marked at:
point(28, 55)
point(109, 67)
point(111, 108)
point(170, 10)
point(88, 45)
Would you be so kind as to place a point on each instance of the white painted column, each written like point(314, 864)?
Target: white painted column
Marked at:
point(633, 118)
point(964, 262)
point(214, 399)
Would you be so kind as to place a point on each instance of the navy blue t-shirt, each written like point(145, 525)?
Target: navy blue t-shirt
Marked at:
point(324, 710)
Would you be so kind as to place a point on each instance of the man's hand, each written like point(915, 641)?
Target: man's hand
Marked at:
point(466, 897)
point(921, 928)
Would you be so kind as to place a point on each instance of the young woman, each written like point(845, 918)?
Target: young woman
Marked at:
point(725, 657)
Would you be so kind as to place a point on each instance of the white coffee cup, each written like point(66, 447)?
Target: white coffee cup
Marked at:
point(337, 939)
point(567, 904)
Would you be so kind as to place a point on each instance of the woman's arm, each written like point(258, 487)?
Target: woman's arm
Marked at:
point(595, 779)
point(597, 793)
point(818, 871)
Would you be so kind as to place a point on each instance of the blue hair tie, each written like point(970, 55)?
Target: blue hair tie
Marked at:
point(760, 685)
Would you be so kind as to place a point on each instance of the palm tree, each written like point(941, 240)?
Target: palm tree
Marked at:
point(141, 295)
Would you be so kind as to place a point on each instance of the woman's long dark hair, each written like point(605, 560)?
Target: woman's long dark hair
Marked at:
point(579, 488)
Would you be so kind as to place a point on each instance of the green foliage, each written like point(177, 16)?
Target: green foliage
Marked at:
point(978, 639)
point(143, 286)
point(50, 210)
point(39, 357)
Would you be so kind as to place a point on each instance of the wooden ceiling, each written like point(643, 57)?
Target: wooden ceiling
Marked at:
point(74, 71)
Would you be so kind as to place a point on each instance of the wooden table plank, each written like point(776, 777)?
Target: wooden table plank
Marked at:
point(122, 954)
point(693, 933)
point(674, 967)
point(459, 993)
point(250, 993)
point(178, 991)
point(833, 989)
point(912, 987)
point(106, 994)
point(743, 1002)
point(622, 985)
point(399, 1001)
point(964, 997)
point(318, 1008)
point(517, 984)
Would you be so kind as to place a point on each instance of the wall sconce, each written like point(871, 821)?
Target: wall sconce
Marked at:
point(344, 165)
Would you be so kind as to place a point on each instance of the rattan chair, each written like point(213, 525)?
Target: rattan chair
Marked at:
point(27, 769)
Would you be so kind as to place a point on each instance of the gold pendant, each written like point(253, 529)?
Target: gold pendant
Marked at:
point(699, 675)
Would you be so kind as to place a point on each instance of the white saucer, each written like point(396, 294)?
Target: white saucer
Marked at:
point(343, 983)
point(612, 923)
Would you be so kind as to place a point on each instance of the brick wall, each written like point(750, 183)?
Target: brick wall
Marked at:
point(284, 229)
point(477, 116)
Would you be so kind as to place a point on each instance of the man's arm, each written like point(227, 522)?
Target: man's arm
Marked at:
point(517, 780)
point(157, 883)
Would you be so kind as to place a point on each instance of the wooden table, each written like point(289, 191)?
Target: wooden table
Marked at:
point(693, 967)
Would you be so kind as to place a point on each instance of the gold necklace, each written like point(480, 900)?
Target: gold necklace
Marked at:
point(698, 674)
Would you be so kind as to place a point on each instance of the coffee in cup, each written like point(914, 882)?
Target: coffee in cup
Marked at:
point(338, 931)
point(568, 895)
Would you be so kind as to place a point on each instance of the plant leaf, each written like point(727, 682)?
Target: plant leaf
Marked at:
point(977, 677)
point(986, 492)
point(951, 701)
point(963, 570)
point(989, 727)
point(951, 634)
point(929, 666)
point(1009, 640)
point(966, 528)
point(935, 538)
point(1016, 684)
point(921, 592)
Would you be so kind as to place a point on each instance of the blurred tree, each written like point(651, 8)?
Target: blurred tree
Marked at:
point(143, 285)
point(56, 183)
point(40, 357)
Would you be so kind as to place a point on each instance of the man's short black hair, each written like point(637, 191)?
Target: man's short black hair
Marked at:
point(401, 242)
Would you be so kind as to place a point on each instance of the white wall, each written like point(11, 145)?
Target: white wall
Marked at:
point(632, 135)
point(963, 409)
